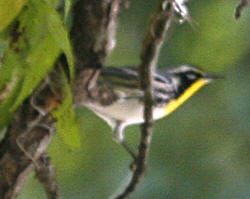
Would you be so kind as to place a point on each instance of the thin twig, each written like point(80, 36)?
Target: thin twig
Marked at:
point(45, 173)
point(239, 8)
point(154, 39)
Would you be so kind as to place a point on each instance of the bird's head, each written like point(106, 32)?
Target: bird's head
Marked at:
point(187, 80)
point(188, 77)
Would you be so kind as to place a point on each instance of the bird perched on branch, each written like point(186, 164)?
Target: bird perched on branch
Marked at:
point(171, 87)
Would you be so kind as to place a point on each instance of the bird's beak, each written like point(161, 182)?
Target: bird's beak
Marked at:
point(209, 77)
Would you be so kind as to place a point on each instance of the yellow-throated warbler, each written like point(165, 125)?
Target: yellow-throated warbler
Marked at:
point(171, 87)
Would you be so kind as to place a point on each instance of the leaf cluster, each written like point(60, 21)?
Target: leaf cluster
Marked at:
point(33, 34)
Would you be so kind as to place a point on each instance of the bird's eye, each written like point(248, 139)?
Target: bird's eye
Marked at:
point(191, 76)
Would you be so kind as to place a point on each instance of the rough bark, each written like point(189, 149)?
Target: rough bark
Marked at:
point(27, 138)
point(93, 38)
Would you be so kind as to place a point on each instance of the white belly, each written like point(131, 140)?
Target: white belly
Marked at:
point(128, 111)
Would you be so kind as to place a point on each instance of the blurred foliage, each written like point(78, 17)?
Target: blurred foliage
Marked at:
point(30, 46)
point(9, 10)
point(200, 151)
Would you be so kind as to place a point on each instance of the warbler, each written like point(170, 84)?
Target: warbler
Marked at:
point(171, 87)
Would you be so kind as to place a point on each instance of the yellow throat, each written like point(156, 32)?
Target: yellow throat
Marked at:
point(174, 104)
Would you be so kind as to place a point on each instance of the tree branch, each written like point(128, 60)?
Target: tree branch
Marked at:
point(93, 38)
point(154, 39)
point(15, 161)
point(26, 140)
point(240, 7)
point(45, 173)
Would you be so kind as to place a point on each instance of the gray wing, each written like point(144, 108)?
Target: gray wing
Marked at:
point(126, 81)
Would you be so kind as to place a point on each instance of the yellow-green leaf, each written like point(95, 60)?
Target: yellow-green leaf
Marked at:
point(11, 76)
point(9, 9)
point(58, 32)
point(39, 61)
point(68, 5)
point(66, 121)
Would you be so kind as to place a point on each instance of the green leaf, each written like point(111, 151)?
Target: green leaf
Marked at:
point(3, 49)
point(68, 5)
point(9, 9)
point(58, 32)
point(6, 70)
point(66, 120)
point(43, 49)
point(43, 38)
point(11, 77)
point(39, 61)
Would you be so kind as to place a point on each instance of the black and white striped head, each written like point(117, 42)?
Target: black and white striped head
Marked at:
point(185, 76)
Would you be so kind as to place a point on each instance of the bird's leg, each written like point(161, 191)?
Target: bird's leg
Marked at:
point(119, 138)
